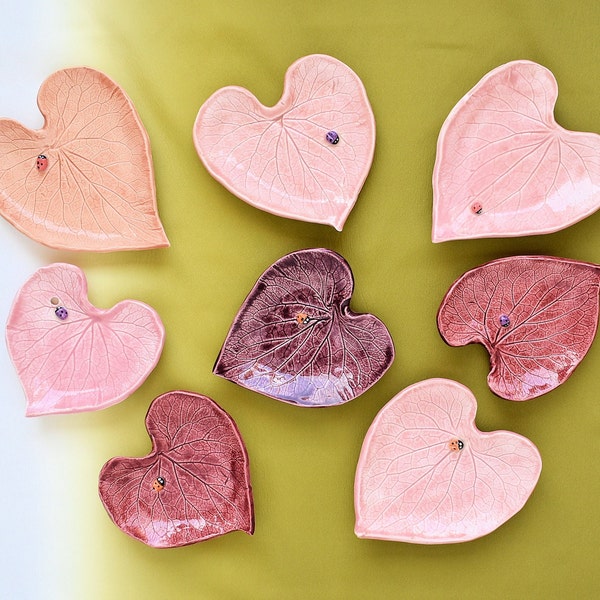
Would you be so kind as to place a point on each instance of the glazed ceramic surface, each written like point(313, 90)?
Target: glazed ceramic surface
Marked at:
point(427, 475)
point(194, 485)
point(84, 181)
point(305, 158)
point(71, 356)
point(504, 167)
point(536, 315)
point(296, 339)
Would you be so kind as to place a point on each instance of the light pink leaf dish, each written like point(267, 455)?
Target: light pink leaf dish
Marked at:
point(305, 158)
point(71, 356)
point(295, 338)
point(194, 485)
point(536, 316)
point(85, 181)
point(504, 167)
point(427, 475)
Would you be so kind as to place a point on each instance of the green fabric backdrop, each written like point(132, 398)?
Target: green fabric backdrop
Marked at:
point(416, 60)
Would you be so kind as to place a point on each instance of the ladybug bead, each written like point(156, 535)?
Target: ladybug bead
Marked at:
point(41, 162)
point(504, 321)
point(456, 445)
point(61, 312)
point(332, 137)
point(477, 208)
point(159, 484)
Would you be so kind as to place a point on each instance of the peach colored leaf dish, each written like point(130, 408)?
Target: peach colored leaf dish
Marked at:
point(84, 181)
point(427, 475)
point(536, 316)
point(504, 167)
point(194, 485)
point(295, 338)
point(305, 158)
point(71, 356)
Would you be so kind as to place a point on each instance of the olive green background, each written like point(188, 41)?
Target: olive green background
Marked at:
point(416, 60)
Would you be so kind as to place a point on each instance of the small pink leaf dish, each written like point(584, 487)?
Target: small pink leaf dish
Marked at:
point(71, 356)
point(427, 475)
point(84, 181)
point(194, 485)
point(536, 316)
point(305, 158)
point(504, 167)
point(295, 338)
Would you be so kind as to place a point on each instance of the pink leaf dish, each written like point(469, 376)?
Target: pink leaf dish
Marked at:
point(194, 485)
point(427, 475)
point(85, 181)
point(305, 158)
point(71, 356)
point(295, 338)
point(536, 316)
point(505, 168)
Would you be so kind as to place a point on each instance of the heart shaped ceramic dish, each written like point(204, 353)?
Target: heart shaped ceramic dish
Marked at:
point(85, 181)
point(71, 356)
point(194, 484)
point(504, 167)
point(305, 158)
point(536, 315)
point(295, 338)
point(427, 475)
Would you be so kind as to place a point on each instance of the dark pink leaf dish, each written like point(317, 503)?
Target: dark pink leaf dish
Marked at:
point(536, 315)
point(504, 167)
point(427, 475)
point(194, 485)
point(305, 158)
point(295, 338)
point(85, 181)
point(71, 356)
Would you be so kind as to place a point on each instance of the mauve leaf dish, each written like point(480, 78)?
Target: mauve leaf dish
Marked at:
point(427, 475)
point(504, 167)
point(194, 485)
point(536, 316)
point(84, 181)
point(71, 356)
point(305, 158)
point(295, 338)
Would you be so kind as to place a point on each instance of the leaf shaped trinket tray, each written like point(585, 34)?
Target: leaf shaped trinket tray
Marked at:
point(85, 181)
point(194, 485)
point(536, 316)
point(71, 356)
point(295, 338)
point(504, 167)
point(427, 475)
point(305, 158)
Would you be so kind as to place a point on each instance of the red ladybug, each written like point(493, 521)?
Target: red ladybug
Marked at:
point(41, 162)
point(477, 208)
point(456, 445)
point(302, 318)
point(159, 484)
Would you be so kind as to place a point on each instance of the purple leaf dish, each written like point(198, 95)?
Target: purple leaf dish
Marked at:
point(295, 338)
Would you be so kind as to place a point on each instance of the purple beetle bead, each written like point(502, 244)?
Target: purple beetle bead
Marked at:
point(332, 137)
point(61, 312)
point(41, 162)
point(504, 321)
